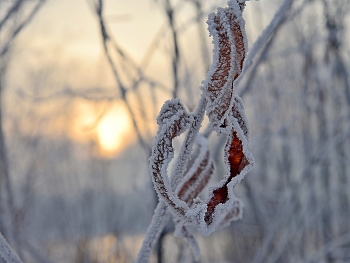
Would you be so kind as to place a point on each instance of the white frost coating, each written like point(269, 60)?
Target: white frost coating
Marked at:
point(7, 253)
point(214, 33)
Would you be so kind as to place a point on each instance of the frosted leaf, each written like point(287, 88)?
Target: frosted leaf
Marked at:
point(230, 45)
point(234, 158)
point(198, 174)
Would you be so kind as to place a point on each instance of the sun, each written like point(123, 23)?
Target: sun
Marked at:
point(113, 129)
point(112, 132)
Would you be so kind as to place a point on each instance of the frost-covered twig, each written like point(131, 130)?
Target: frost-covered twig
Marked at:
point(7, 253)
point(153, 232)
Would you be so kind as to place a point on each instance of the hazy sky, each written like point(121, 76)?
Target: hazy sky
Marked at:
point(62, 46)
point(74, 25)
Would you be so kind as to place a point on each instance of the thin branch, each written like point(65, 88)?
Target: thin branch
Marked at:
point(21, 26)
point(176, 54)
point(11, 11)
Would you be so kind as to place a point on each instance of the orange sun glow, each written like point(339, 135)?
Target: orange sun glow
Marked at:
point(112, 132)
point(112, 129)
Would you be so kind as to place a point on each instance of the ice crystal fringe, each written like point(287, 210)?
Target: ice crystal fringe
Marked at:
point(226, 116)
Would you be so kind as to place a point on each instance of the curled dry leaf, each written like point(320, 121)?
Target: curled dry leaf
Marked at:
point(220, 195)
point(238, 161)
point(230, 45)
